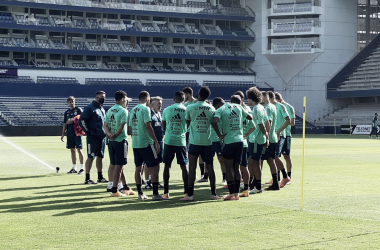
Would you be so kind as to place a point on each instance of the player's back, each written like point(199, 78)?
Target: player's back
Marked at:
point(138, 116)
point(114, 117)
point(232, 116)
point(175, 118)
point(200, 115)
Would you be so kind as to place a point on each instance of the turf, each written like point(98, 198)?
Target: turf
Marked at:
point(40, 209)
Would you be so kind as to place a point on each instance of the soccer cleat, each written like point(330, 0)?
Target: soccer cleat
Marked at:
point(104, 180)
point(166, 196)
point(245, 193)
point(72, 171)
point(202, 180)
point(57, 169)
point(110, 190)
point(225, 186)
point(89, 182)
point(223, 183)
point(269, 182)
point(187, 198)
point(229, 197)
point(128, 192)
point(158, 197)
point(284, 182)
point(255, 191)
point(148, 186)
point(215, 197)
point(142, 197)
point(118, 194)
point(290, 182)
point(81, 171)
point(272, 188)
point(237, 197)
point(160, 186)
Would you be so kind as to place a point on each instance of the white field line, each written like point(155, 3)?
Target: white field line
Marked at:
point(29, 154)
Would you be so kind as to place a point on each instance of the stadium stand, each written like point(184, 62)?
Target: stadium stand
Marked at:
point(292, 7)
point(157, 82)
point(56, 80)
point(16, 79)
point(113, 81)
point(239, 84)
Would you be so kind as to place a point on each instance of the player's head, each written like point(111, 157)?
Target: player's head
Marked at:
point(265, 97)
point(179, 97)
point(241, 94)
point(271, 97)
point(254, 96)
point(100, 96)
point(144, 97)
point(188, 93)
point(203, 93)
point(375, 114)
point(218, 102)
point(121, 98)
point(156, 103)
point(278, 97)
point(236, 99)
point(71, 102)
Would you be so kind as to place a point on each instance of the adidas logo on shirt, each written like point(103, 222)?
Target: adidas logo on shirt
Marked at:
point(233, 115)
point(176, 117)
point(201, 115)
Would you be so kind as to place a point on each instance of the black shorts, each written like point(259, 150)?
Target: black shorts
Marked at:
point(205, 152)
point(217, 148)
point(233, 151)
point(179, 151)
point(146, 155)
point(286, 147)
point(118, 152)
point(269, 152)
point(73, 141)
point(244, 157)
point(255, 150)
point(279, 146)
point(95, 147)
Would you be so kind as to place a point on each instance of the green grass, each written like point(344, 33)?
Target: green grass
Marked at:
point(40, 209)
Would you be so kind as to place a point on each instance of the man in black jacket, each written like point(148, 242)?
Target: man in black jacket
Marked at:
point(92, 121)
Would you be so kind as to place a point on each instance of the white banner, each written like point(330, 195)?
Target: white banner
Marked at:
point(362, 130)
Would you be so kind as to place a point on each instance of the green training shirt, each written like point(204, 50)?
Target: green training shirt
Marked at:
point(232, 116)
point(214, 136)
point(247, 124)
point(137, 118)
point(189, 103)
point(281, 114)
point(114, 117)
point(175, 133)
point(292, 115)
point(272, 116)
point(200, 114)
point(259, 117)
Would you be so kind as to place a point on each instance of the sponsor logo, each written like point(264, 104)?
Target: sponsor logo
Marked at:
point(176, 118)
point(233, 115)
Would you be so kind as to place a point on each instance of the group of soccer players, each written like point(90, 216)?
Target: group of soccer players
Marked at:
point(191, 129)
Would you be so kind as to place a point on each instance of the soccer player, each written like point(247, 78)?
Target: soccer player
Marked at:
point(91, 121)
point(174, 125)
point(73, 141)
point(248, 128)
point(269, 153)
point(145, 145)
point(117, 132)
point(199, 117)
point(374, 126)
point(216, 142)
point(288, 131)
point(282, 122)
point(258, 140)
point(232, 116)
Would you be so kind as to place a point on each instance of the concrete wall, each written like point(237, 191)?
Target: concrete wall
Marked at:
point(338, 46)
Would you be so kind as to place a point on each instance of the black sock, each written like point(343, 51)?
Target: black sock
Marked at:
point(213, 189)
point(258, 184)
point(186, 189)
point(231, 186)
point(191, 190)
point(284, 174)
point(202, 167)
point(114, 189)
point(100, 175)
point(139, 190)
point(87, 177)
point(155, 188)
point(166, 188)
point(275, 183)
point(205, 176)
point(237, 186)
point(224, 176)
point(290, 174)
point(246, 186)
point(126, 187)
point(278, 176)
point(252, 183)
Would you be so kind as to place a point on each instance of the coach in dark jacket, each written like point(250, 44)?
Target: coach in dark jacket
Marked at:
point(91, 121)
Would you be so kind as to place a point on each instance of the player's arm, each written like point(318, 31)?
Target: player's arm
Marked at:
point(108, 132)
point(247, 115)
point(63, 131)
point(264, 131)
point(292, 122)
point(149, 129)
point(292, 116)
point(251, 127)
point(284, 125)
point(83, 120)
point(130, 130)
point(214, 125)
point(119, 130)
point(164, 126)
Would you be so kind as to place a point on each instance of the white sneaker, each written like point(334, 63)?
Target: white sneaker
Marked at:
point(255, 191)
point(215, 197)
point(241, 185)
point(142, 197)
point(223, 183)
point(120, 186)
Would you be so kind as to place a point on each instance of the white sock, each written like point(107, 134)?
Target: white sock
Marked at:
point(110, 185)
point(75, 166)
point(120, 186)
point(81, 166)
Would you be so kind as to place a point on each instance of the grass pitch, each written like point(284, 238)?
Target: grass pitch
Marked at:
point(40, 209)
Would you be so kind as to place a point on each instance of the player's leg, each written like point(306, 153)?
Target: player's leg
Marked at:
point(244, 172)
point(286, 154)
point(218, 151)
point(257, 151)
point(151, 160)
point(193, 154)
point(207, 156)
point(126, 189)
point(91, 150)
point(168, 159)
point(204, 172)
point(99, 160)
point(148, 181)
point(70, 144)
point(80, 156)
point(228, 155)
point(280, 164)
point(182, 161)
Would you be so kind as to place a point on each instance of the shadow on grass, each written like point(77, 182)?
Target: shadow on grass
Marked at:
point(93, 199)
point(25, 177)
